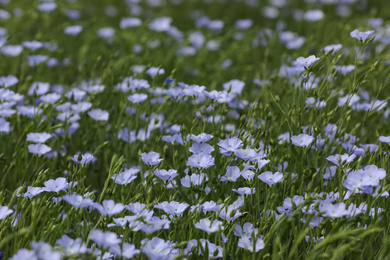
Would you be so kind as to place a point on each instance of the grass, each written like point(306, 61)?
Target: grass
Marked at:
point(258, 117)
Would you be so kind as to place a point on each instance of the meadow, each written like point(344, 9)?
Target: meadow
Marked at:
point(194, 129)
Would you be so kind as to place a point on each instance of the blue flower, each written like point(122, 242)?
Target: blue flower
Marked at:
point(158, 249)
point(151, 158)
point(71, 247)
point(108, 207)
point(248, 243)
point(165, 175)
point(38, 137)
point(11, 50)
point(126, 177)
point(305, 62)
point(39, 149)
point(57, 185)
point(229, 145)
point(78, 201)
point(200, 161)
point(130, 22)
point(154, 71)
point(173, 208)
point(270, 178)
point(73, 30)
point(302, 140)
point(137, 98)
point(8, 81)
point(127, 251)
point(341, 159)
point(361, 36)
point(98, 115)
point(85, 158)
point(5, 211)
point(232, 174)
point(201, 138)
point(202, 148)
point(206, 225)
point(333, 211)
point(104, 239)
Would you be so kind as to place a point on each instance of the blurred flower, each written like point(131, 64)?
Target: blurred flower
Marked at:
point(5, 211)
point(206, 225)
point(151, 158)
point(104, 239)
point(39, 149)
point(302, 140)
point(361, 36)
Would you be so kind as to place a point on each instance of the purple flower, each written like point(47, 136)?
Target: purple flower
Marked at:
point(44, 251)
point(73, 30)
point(229, 145)
point(270, 178)
point(232, 174)
point(4, 126)
point(201, 138)
point(130, 22)
point(194, 179)
point(57, 185)
point(305, 62)
point(50, 98)
point(47, 7)
point(334, 47)
point(39, 149)
point(108, 207)
point(151, 158)
point(32, 45)
point(11, 50)
point(127, 251)
point(153, 71)
point(158, 249)
point(38, 137)
point(106, 32)
point(85, 158)
point(39, 88)
point(172, 208)
point(206, 225)
point(247, 243)
point(246, 231)
point(71, 247)
point(5, 211)
point(341, 159)
point(247, 174)
point(32, 192)
point(244, 191)
point(384, 139)
point(302, 140)
point(236, 86)
point(214, 250)
point(78, 201)
point(201, 148)
point(98, 115)
point(333, 211)
point(200, 161)
point(8, 81)
point(313, 15)
point(137, 98)
point(126, 177)
point(104, 239)
point(361, 36)
point(160, 24)
point(24, 254)
point(246, 154)
point(165, 175)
